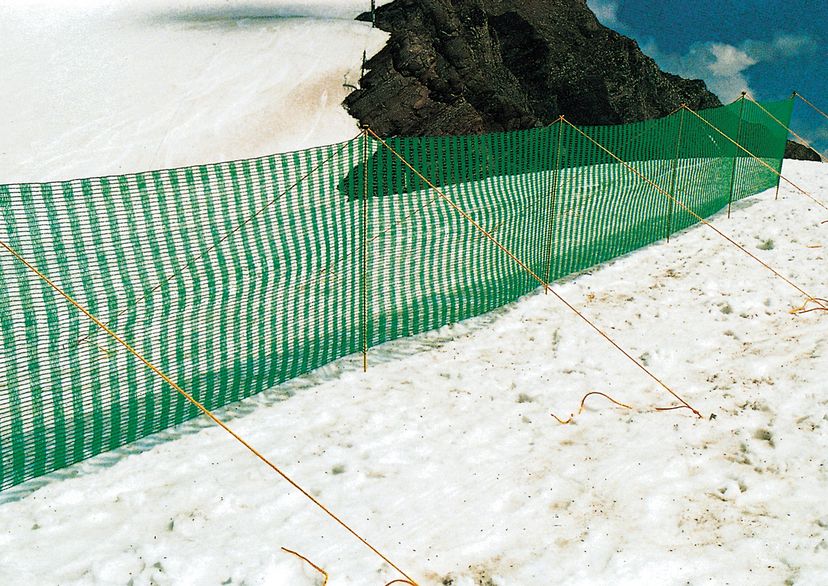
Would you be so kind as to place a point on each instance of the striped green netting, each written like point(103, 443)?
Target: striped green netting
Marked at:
point(234, 277)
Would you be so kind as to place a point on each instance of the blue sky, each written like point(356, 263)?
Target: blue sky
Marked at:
point(766, 48)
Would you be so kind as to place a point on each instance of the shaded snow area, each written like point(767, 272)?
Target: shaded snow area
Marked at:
point(446, 457)
point(444, 454)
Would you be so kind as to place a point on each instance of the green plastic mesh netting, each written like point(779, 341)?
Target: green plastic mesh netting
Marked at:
point(234, 277)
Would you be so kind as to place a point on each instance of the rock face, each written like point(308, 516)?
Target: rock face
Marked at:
point(795, 150)
point(471, 66)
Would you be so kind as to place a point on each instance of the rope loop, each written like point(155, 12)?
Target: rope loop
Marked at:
point(821, 305)
point(583, 401)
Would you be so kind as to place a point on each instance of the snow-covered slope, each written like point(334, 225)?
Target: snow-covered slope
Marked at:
point(444, 454)
point(103, 87)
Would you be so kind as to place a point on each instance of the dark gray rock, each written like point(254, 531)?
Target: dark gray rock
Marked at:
point(795, 150)
point(471, 66)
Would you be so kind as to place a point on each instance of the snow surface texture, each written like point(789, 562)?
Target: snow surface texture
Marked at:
point(444, 454)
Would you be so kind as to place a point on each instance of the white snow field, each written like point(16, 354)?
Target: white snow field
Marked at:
point(100, 86)
point(444, 454)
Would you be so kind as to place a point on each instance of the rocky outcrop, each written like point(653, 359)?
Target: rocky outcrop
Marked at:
point(795, 150)
point(471, 66)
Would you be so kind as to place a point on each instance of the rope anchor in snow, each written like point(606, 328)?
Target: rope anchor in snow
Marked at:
point(583, 402)
point(821, 305)
point(325, 574)
point(620, 404)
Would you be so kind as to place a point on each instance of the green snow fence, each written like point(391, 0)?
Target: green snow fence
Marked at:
point(234, 277)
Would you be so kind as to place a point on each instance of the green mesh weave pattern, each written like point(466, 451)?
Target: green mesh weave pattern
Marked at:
point(234, 277)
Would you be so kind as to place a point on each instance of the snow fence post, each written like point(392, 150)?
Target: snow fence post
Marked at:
point(554, 199)
point(736, 154)
point(364, 250)
point(779, 177)
point(674, 177)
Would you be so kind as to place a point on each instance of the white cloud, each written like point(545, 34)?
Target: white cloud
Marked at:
point(818, 138)
point(724, 67)
point(606, 11)
point(782, 46)
point(728, 60)
point(720, 65)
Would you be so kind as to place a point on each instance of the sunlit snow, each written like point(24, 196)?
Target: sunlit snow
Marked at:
point(444, 454)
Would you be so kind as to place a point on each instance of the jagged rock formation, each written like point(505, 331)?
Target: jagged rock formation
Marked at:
point(471, 66)
point(795, 150)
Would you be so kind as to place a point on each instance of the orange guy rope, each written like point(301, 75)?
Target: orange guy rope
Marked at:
point(227, 235)
point(583, 402)
point(775, 172)
point(821, 303)
point(801, 97)
point(523, 265)
point(637, 135)
point(192, 400)
point(313, 565)
point(782, 124)
point(691, 212)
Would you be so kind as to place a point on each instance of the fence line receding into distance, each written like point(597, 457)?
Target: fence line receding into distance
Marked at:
point(233, 277)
